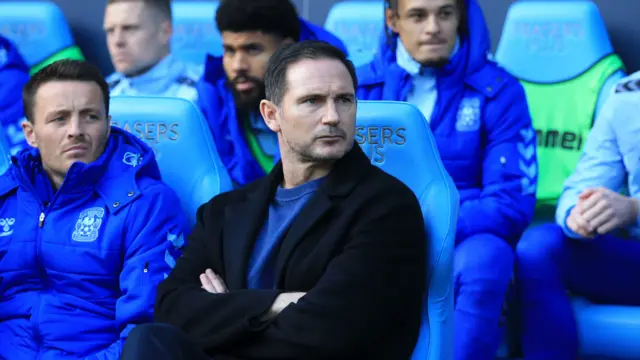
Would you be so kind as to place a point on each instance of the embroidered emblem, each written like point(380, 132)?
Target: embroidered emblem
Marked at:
point(628, 86)
point(527, 163)
point(88, 225)
point(132, 159)
point(468, 118)
point(7, 226)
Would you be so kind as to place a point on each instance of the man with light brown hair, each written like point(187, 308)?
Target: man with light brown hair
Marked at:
point(138, 37)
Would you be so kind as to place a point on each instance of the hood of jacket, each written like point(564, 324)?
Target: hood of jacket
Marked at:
point(118, 170)
point(470, 57)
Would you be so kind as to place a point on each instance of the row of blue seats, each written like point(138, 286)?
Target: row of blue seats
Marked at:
point(542, 41)
point(189, 163)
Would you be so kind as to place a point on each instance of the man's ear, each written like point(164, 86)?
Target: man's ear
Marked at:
point(166, 31)
point(29, 134)
point(390, 18)
point(269, 112)
point(287, 41)
point(108, 125)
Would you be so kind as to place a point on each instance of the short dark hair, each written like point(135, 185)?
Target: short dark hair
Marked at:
point(63, 70)
point(272, 17)
point(275, 78)
point(163, 6)
point(463, 27)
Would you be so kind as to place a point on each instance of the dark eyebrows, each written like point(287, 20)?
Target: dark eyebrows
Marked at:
point(245, 47)
point(89, 110)
point(349, 95)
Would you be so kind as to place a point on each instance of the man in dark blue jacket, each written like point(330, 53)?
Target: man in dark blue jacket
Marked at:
point(14, 73)
point(435, 57)
point(232, 85)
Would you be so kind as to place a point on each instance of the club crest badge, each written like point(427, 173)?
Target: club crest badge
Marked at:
point(88, 225)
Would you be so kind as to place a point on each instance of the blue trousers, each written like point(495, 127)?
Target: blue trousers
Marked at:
point(483, 269)
point(602, 270)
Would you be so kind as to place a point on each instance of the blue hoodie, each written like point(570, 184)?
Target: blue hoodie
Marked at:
point(79, 267)
point(14, 74)
point(482, 127)
point(218, 106)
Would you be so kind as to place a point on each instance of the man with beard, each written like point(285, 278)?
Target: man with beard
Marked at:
point(232, 86)
point(435, 57)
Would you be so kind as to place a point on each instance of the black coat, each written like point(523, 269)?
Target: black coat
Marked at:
point(358, 248)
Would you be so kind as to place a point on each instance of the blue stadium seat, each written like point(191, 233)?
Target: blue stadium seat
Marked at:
point(606, 330)
point(194, 30)
point(184, 147)
point(359, 24)
point(39, 30)
point(397, 138)
point(560, 50)
point(5, 152)
point(557, 45)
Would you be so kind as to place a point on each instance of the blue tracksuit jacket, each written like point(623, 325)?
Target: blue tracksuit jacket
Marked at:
point(482, 127)
point(79, 268)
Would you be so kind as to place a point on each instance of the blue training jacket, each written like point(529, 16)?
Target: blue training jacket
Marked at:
point(218, 106)
point(482, 127)
point(79, 268)
point(14, 74)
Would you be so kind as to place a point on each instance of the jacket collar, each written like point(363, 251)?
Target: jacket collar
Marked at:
point(114, 175)
point(470, 55)
point(157, 79)
point(241, 231)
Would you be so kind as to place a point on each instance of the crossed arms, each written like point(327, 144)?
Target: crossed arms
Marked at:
point(377, 281)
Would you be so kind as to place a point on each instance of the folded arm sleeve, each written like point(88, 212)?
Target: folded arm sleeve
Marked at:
point(373, 286)
point(506, 203)
point(153, 239)
point(209, 319)
point(601, 164)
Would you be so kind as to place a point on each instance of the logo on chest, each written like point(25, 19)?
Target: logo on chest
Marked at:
point(88, 225)
point(132, 159)
point(468, 118)
point(6, 225)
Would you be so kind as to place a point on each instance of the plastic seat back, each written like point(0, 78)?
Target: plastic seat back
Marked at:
point(560, 50)
point(39, 30)
point(182, 142)
point(5, 152)
point(359, 25)
point(605, 329)
point(397, 138)
point(194, 30)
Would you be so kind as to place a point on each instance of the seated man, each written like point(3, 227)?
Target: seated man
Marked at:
point(85, 222)
point(14, 73)
point(138, 37)
point(588, 251)
point(324, 258)
point(435, 57)
point(233, 86)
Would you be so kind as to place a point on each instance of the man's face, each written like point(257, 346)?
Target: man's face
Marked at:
point(427, 29)
point(245, 59)
point(137, 36)
point(69, 124)
point(316, 120)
